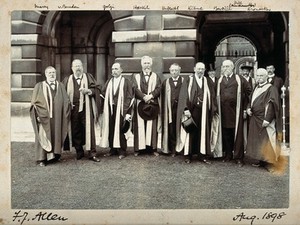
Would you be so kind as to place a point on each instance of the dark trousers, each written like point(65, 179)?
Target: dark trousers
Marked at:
point(228, 141)
point(123, 142)
point(78, 120)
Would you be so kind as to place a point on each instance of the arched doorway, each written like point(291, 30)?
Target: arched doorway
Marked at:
point(238, 49)
point(267, 31)
point(85, 35)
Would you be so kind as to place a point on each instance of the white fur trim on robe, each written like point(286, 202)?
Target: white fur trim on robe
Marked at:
point(105, 123)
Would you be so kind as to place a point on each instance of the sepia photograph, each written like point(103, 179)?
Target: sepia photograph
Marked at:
point(150, 113)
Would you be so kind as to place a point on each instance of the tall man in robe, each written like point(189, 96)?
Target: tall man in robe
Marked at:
point(118, 95)
point(230, 99)
point(170, 94)
point(196, 100)
point(147, 87)
point(265, 125)
point(49, 112)
point(85, 99)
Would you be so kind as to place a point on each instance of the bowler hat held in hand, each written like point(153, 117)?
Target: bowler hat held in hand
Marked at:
point(125, 126)
point(189, 125)
point(148, 111)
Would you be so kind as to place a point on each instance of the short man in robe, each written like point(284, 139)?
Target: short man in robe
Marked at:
point(85, 99)
point(196, 101)
point(118, 96)
point(147, 87)
point(49, 112)
point(230, 91)
point(246, 73)
point(211, 78)
point(170, 94)
point(265, 125)
point(276, 81)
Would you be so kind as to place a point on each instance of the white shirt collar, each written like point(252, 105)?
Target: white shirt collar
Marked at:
point(270, 76)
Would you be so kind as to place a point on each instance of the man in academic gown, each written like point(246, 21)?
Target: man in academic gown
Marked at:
point(49, 112)
point(246, 73)
point(211, 78)
point(265, 125)
point(170, 94)
point(147, 87)
point(196, 101)
point(84, 96)
point(118, 96)
point(230, 91)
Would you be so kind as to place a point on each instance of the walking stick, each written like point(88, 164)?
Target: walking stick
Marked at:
point(283, 89)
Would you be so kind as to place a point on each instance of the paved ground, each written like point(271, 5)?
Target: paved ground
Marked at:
point(144, 182)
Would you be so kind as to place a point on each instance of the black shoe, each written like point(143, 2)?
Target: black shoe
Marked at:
point(95, 159)
point(108, 154)
point(79, 156)
point(42, 164)
point(121, 157)
point(240, 163)
point(188, 161)
point(227, 159)
point(205, 161)
point(156, 153)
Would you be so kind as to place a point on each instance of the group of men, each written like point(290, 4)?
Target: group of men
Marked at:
point(197, 115)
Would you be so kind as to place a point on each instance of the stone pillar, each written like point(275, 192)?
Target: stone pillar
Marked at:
point(166, 37)
point(26, 64)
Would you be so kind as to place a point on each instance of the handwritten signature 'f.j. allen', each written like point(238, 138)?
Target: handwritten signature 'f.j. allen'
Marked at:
point(22, 217)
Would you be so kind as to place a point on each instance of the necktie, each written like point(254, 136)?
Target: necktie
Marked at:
point(147, 77)
point(52, 85)
point(175, 82)
point(78, 80)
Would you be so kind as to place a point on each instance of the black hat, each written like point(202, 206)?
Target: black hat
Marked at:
point(211, 67)
point(148, 111)
point(125, 126)
point(247, 65)
point(189, 125)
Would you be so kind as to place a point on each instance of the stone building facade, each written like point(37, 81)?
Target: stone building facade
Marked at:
point(98, 38)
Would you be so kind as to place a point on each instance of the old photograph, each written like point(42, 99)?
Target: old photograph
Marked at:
point(151, 116)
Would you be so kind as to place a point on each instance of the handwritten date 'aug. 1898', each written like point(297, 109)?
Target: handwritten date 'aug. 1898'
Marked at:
point(22, 217)
point(267, 216)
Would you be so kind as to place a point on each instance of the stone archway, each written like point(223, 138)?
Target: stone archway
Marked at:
point(268, 31)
